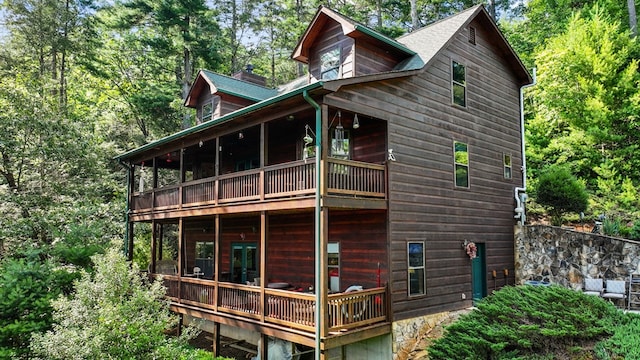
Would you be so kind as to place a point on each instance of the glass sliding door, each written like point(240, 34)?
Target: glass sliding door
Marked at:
point(244, 266)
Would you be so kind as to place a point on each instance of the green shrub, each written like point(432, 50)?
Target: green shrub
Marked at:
point(611, 227)
point(113, 314)
point(635, 231)
point(27, 286)
point(520, 322)
point(624, 342)
point(560, 192)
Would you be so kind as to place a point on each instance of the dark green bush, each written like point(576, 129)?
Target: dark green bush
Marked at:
point(526, 322)
point(27, 286)
point(561, 192)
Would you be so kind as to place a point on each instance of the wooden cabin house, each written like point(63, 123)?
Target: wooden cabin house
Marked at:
point(377, 190)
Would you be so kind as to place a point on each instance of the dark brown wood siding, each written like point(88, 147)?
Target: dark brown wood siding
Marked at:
point(361, 235)
point(370, 59)
point(330, 37)
point(424, 205)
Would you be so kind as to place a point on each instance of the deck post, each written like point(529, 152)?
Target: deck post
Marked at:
point(216, 264)
point(216, 339)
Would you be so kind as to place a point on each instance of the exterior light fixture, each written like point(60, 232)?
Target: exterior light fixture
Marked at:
point(356, 122)
point(168, 157)
point(240, 135)
point(339, 132)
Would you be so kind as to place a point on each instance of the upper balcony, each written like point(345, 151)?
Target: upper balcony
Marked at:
point(344, 177)
point(263, 164)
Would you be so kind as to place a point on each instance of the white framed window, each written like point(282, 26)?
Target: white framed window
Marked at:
point(330, 64)
point(207, 111)
point(416, 274)
point(458, 84)
point(506, 162)
point(461, 164)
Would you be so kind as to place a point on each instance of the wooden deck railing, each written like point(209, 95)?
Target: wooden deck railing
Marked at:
point(344, 177)
point(292, 309)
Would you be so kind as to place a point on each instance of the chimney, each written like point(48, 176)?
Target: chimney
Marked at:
point(248, 76)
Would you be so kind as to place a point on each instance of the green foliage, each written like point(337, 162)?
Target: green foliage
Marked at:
point(27, 287)
point(561, 192)
point(519, 322)
point(624, 342)
point(611, 227)
point(634, 233)
point(114, 313)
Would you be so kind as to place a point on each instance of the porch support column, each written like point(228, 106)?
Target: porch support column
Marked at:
point(180, 248)
point(128, 243)
point(263, 150)
point(154, 240)
point(216, 339)
point(263, 262)
point(216, 263)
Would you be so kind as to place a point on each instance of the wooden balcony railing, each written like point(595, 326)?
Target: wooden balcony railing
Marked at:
point(344, 177)
point(345, 311)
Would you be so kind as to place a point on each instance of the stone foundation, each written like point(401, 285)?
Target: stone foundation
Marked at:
point(408, 334)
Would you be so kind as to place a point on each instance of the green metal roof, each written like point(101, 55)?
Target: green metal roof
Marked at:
point(385, 39)
point(239, 88)
point(208, 124)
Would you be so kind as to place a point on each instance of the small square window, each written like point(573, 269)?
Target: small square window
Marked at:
point(330, 64)
point(506, 161)
point(416, 268)
point(461, 162)
point(458, 84)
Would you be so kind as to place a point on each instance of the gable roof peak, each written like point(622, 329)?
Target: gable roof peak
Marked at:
point(349, 28)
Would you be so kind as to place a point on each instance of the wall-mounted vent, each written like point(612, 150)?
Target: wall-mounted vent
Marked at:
point(472, 35)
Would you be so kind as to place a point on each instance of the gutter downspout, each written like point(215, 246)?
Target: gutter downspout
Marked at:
point(318, 240)
point(520, 192)
point(126, 213)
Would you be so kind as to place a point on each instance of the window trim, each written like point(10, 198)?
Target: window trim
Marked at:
point(456, 164)
point(508, 166)
point(210, 114)
point(337, 68)
point(455, 83)
point(423, 267)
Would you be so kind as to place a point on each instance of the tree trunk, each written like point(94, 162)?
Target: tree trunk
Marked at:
point(633, 20)
point(414, 15)
point(186, 75)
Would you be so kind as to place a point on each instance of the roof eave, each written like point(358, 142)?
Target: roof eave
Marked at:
point(246, 110)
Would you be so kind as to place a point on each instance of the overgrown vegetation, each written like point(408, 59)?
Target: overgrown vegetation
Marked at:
point(114, 313)
point(539, 322)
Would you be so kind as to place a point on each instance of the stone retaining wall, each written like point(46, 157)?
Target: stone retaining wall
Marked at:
point(565, 257)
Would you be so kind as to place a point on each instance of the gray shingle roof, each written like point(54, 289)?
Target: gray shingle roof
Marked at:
point(429, 40)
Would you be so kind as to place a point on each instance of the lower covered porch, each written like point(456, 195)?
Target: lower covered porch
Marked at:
point(257, 271)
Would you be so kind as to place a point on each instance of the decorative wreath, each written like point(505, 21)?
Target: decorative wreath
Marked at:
point(471, 249)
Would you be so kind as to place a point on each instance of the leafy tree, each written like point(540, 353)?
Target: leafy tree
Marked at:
point(114, 313)
point(561, 192)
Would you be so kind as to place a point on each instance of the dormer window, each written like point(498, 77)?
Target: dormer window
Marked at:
point(207, 111)
point(330, 64)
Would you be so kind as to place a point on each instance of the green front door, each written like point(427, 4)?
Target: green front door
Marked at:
point(244, 265)
point(479, 274)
